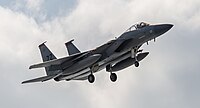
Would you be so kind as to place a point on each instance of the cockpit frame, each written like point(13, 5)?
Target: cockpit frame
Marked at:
point(137, 26)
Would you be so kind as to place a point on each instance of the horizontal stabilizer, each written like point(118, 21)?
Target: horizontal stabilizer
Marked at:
point(41, 79)
point(49, 63)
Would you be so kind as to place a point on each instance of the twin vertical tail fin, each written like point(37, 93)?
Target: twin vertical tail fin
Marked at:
point(46, 56)
point(71, 48)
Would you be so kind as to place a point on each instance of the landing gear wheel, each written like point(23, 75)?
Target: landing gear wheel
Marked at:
point(113, 77)
point(91, 78)
point(136, 64)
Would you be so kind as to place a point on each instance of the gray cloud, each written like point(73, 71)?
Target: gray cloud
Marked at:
point(168, 77)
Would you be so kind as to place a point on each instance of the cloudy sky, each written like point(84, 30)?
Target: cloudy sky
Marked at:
point(168, 78)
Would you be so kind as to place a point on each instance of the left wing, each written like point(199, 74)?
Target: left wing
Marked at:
point(42, 79)
point(57, 61)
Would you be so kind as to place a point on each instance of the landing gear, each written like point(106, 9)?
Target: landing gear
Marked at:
point(91, 78)
point(94, 68)
point(113, 77)
point(136, 64)
point(134, 55)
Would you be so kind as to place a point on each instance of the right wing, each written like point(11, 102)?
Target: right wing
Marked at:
point(57, 61)
point(122, 44)
point(114, 45)
point(42, 79)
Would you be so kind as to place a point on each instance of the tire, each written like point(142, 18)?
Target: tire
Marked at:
point(91, 78)
point(137, 64)
point(113, 77)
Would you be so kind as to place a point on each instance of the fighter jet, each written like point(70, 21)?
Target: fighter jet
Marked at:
point(115, 55)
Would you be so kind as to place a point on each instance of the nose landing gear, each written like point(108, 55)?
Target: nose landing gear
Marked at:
point(113, 76)
point(134, 52)
point(91, 77)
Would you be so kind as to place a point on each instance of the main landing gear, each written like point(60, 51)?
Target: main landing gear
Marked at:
point(91, 77)
point(137, 64)
point(113, 76)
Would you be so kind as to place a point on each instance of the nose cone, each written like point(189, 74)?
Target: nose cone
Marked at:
point(163, 28)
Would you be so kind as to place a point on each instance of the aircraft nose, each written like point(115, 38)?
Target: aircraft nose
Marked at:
point(163, 28)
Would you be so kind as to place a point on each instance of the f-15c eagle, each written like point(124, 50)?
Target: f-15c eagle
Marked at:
point(114, 55)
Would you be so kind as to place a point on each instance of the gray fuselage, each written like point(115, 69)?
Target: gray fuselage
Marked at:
point(119, 49)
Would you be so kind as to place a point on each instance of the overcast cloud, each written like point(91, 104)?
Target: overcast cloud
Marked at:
point(168, 78)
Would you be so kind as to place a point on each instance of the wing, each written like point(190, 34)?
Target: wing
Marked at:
point(110, 47)
point(58, 61)
point(120, 44)
point(42, 79)
point(114, 45)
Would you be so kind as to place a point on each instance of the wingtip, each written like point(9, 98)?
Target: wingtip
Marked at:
point(23, 82)
point(30, 67)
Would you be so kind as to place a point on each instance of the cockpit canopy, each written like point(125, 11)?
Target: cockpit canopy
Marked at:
point(137, 26)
